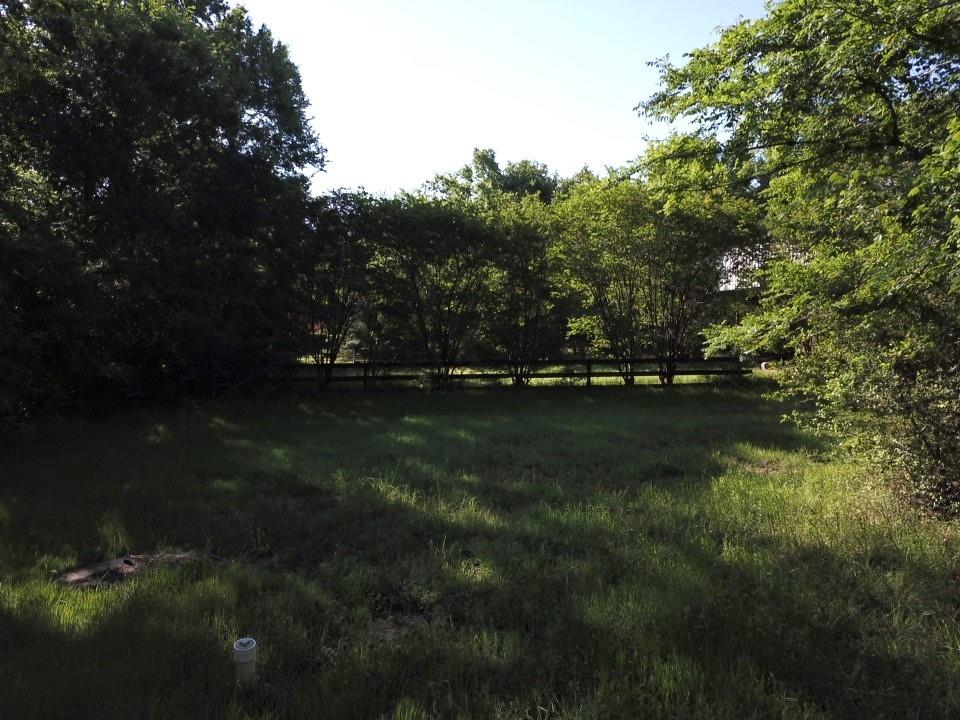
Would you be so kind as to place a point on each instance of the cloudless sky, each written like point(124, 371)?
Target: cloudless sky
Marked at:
point(403, 89)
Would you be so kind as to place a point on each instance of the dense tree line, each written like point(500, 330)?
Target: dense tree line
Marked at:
point(512, 264)
point(157, 234)
point(158, 237)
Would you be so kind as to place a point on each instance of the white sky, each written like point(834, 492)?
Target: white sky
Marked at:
point(401, 91)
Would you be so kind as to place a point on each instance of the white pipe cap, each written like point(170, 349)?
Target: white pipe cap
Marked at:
point(245, 650)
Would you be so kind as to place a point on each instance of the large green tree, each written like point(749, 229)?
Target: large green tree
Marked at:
point(845, 114)
point(604, 231)
point(332, 279)
point(153, 157)
point(650, 255)
point(434, 259)
point(521, 318)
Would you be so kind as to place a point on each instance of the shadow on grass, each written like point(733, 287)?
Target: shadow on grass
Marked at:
point(485, 553)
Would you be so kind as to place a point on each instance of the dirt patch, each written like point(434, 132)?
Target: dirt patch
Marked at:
point(390, 630)
point(109, 572)
point(400, 613)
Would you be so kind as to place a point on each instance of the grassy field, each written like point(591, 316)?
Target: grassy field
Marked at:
point(550, 553)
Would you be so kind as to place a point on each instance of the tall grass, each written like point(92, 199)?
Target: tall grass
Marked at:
point(553, 553)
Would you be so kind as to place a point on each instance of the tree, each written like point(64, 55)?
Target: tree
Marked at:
point(844, 113)
point(436, 257)
point(707, 236)
point(605, 227)
point(332, 277)
point(650, 256)
point(483, 180)
point(521, 320)
point(167, 144)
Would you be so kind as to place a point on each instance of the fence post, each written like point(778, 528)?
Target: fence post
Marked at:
point(365, 364)
point(589, 373)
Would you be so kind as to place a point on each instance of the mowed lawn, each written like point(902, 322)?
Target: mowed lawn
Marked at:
point(549, 553)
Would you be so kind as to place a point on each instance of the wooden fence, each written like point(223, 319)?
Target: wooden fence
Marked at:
point(379, 373)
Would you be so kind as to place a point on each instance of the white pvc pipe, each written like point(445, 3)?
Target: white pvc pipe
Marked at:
point(245, 660)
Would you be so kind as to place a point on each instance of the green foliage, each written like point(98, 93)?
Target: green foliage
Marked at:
point(157, 236)
point(523, 312)
point(332, 284)
point(651, 255)
point(152, 182)
point(522, 319)
point(844, 114)
point(483, 180)
point(605, 238)
point(435, 260)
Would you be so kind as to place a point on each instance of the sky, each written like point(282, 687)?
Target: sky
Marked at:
point(403, 90)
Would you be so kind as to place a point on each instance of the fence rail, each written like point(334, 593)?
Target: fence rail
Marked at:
point(587, 369)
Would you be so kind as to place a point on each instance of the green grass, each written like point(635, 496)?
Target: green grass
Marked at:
point(550, 553)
